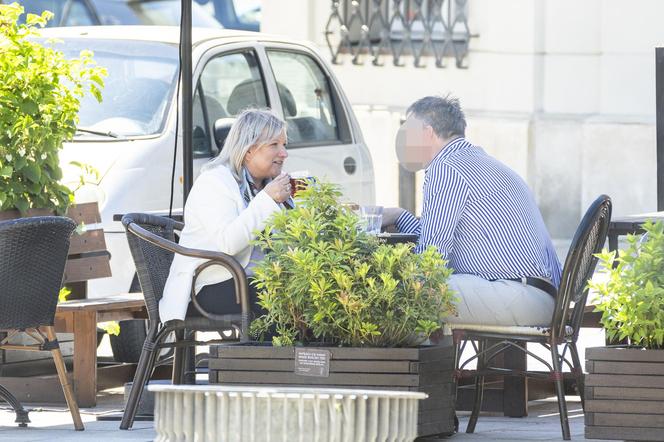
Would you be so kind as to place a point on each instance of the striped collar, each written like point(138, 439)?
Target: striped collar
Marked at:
point(453, 146)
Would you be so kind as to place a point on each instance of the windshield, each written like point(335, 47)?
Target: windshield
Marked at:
point(138, 90)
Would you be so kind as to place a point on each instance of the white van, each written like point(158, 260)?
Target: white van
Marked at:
point(131, 137)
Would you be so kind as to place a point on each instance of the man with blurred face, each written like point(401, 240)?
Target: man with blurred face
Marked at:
point(481, 216)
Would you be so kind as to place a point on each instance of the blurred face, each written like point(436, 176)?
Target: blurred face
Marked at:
point(266, 160)
point(416, 144)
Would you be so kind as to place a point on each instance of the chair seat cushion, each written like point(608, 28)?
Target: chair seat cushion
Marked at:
point(535, 330)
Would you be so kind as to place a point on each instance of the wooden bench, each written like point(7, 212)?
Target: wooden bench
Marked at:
point(80, 317)
point(28, 381)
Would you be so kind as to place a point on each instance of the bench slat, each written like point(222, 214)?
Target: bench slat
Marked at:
point(118, 302)
point(90, 241)
point(86, 268)
point(87, 213)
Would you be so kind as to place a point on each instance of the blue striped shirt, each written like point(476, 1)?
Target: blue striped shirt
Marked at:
point(482, 217)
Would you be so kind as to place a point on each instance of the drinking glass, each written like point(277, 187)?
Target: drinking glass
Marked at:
point(372, 219)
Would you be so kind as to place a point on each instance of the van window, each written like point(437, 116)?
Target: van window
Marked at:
point(228, 84)
point(79, 15)
point(304, 91)
point(232, 83)
point(201, 139)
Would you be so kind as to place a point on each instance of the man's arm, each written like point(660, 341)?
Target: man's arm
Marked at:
point(445, 196)
point(407, 223)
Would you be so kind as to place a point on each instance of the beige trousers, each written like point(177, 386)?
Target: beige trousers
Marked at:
point(499, 302)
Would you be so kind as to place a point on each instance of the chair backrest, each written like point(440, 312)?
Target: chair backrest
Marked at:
point(153, 262)
point(579, 267)
point(33, 253)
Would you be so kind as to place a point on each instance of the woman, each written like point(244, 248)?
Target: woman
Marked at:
point(233, 196)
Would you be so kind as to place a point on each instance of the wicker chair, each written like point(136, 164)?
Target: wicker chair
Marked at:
point(33, 252)
point(562, 331)
point(152, 243)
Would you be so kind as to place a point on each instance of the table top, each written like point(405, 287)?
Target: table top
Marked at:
point(395, 238)
point(116, 302)
point(632, 223)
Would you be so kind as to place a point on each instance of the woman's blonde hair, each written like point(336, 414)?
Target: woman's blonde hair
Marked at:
point(253, 127)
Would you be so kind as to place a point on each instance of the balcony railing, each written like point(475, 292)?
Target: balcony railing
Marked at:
point(376, 29)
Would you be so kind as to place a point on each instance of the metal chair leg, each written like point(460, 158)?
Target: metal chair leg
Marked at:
point(189, 365)
point(177, 376)
point(578, 374)
point(557, 377)
point(458, 341)
point(22, 418)
point(142, 375)
point(479, 388)
point(64, 380)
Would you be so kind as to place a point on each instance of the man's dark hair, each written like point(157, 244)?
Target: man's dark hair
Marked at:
point(443, 114)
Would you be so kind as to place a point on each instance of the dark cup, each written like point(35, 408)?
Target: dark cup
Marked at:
point(298, 184)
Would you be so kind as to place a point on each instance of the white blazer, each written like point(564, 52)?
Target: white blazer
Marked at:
point(217, 218)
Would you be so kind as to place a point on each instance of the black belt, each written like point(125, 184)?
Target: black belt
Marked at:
point(537, 283)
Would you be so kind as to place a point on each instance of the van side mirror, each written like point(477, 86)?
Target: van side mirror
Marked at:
point(221, 128)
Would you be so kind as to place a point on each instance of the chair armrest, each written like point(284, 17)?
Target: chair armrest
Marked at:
point(214, 258)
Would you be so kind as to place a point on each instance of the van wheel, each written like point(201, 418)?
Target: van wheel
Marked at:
point(128, 345)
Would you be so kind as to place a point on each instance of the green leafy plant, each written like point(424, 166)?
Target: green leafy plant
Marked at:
point(631, 295)
point(40, 92)
point(110, 327)
point(322, 280)
point(64, 293)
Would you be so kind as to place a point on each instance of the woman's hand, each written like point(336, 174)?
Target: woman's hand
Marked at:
point(279, 188)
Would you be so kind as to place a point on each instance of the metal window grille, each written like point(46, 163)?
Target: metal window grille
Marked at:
point(375, 29)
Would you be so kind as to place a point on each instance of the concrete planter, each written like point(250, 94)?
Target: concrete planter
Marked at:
point(217, 413)
point(426, 369)
point(624, 394)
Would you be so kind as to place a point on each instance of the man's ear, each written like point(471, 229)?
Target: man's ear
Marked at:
point(430, 134)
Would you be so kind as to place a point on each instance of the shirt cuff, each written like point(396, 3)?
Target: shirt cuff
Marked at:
point(407, 223)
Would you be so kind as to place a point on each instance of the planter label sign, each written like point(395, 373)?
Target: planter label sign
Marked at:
point(310, 362)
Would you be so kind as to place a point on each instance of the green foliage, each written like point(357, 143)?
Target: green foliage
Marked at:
point(110, 327)
point(322, 280)
point(40, 94)
point(631, 296)
point(64, 293)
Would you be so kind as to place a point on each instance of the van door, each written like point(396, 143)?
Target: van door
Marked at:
point(323, 136)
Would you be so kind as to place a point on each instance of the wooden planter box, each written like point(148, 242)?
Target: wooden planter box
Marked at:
point(624, 394)
point(427, 369)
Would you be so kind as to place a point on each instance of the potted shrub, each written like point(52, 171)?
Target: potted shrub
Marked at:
point(625, 383)
point(40, 92)
point(346, 310)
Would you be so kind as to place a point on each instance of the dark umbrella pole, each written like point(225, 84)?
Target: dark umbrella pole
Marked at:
point(187, 98)
point(187, 150)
